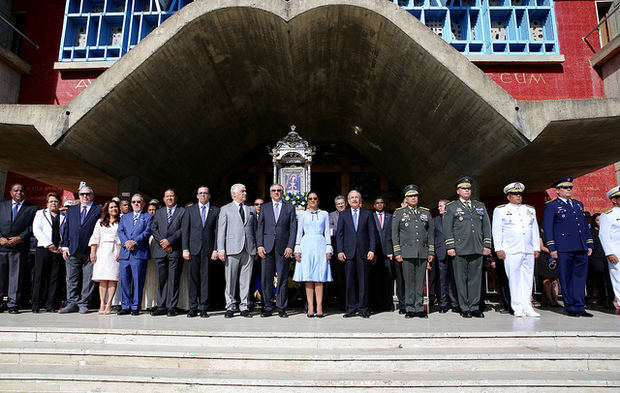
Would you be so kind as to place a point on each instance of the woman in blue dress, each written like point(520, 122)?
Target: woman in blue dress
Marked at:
point(313, 251)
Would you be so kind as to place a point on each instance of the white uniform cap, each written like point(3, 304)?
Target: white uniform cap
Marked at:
point(614, 192)
point(514, 187)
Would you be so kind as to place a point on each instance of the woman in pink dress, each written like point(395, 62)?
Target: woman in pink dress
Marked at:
point(104, 247)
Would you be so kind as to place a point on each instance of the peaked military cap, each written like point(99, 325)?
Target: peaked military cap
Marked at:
point(464, 182)
point(411, 190)
point(614, 193)
point(563, 182)
point(515, 187)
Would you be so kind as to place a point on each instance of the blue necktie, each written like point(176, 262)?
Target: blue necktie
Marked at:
point(169, 215)
point(203, 214)
point(83, 215)
point(355, 219)
point(15, 210)
point(276, 211)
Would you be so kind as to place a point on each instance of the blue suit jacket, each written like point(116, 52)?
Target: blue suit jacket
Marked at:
point(75, 235)
point(566, 228)
point(356, 243)
point(281, 234)
point(139, 233)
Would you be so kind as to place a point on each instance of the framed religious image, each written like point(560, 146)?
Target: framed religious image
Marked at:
point(293, 179)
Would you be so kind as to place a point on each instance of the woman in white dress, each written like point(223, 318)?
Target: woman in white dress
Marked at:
point(313, 251)
point(104, 247)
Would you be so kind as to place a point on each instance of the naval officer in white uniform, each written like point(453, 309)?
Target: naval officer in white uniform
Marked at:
point(609, 234)
point(516, 241)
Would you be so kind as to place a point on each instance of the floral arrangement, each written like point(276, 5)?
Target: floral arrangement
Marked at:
point(297, 199)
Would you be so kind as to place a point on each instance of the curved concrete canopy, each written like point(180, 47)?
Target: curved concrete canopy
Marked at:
point(221, 77)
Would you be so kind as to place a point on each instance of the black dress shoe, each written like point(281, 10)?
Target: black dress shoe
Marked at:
point(192, 313)
point(320, 315)
point(135, 312)
point(13, 310)
point(282, 314)
point(477, 314)
point(402, 311)
point(348, 314)
point(466, 314)
point(159, 311)
point(35, 310)
point(365, 314)
point(203, 314)
point(265, 314)
point(172, 313)
point(123, 311)
point(409, 315)
point(572, 313)
point(3, 307)
point(229, 314)
point(421, 314)
point(443, 310)
point(246, 314)
point(504, 310)
point(584, 313)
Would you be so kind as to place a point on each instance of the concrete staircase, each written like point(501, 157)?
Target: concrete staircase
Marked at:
point(113, 360)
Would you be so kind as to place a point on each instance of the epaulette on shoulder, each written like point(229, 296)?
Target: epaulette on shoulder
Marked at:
point(530, 206)
point(479, 202)
point(500, 206)
point(424, 208)
point(608, 211)
point(397, 209)
point(550, 201)
point(449, 203)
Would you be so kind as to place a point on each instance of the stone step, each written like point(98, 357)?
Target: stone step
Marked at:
point(323, 340)
point(292, 359)
point(102, 379)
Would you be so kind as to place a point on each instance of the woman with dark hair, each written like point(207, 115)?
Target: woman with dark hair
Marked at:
point(313, 251)
point(104, 247)
point(599, 268)
point(49, 267)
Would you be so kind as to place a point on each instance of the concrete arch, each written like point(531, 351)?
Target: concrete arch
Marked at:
point(221, 77)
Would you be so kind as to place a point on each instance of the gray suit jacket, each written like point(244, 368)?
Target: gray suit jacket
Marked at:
point(232, 234)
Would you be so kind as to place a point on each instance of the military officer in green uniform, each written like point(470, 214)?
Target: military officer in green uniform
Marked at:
point(414, 247)
point(467, 229)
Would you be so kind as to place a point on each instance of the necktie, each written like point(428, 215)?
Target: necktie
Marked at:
point(135, 218)
point(15, 210)
point(242, 213)
point(570, 202)
point(169, 215)
point(381, 220)
point(355, 219)
point(468, 203)
point(83, 215)
point(276, 211)
point(203, 214)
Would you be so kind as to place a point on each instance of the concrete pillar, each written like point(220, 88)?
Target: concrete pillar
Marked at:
point(3, 173)
point(128, 186)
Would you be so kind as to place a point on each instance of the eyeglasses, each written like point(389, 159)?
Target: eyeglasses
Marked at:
point(515, 193)
point(567, 188)
point(85, 194)
point(313, 198)
point(258, 204)
point(278, 190)
point(136, 201)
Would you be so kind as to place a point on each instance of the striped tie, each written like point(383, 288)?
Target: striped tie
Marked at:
point(135, 218)
point(169, 215)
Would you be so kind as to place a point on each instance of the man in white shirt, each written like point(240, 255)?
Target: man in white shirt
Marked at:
point(516, 241)
point(609, 234)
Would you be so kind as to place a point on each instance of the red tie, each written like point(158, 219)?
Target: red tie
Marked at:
point(381, 220)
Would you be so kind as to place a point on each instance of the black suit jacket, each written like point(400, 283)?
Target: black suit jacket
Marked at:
point(195, 237)
point(280, 234)
point(440, 240)
point(161, 229)
point(21, 226)
point(76, 235)
point(356, 243)
point(384, 245)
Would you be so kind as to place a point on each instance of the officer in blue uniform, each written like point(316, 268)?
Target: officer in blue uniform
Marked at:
point(570, 243)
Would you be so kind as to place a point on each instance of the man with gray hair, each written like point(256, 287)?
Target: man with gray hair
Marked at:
point(338, 285)
point(79, 224)
point(236, 245)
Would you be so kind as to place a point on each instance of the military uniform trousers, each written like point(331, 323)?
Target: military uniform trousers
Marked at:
point(468, 278)
point(414, 275)
point(520, 271)
point(573, 272)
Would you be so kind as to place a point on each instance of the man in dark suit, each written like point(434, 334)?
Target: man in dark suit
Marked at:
point(166, 230)
point(198, 239)
point(16, 216)
point(275, 240)
point(442, 266)
point(337, 268)
point(79, 225)
point(382, 282)
point(356, 241)
point(134, 231)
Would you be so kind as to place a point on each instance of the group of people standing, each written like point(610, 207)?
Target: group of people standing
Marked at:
point(100, 244)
